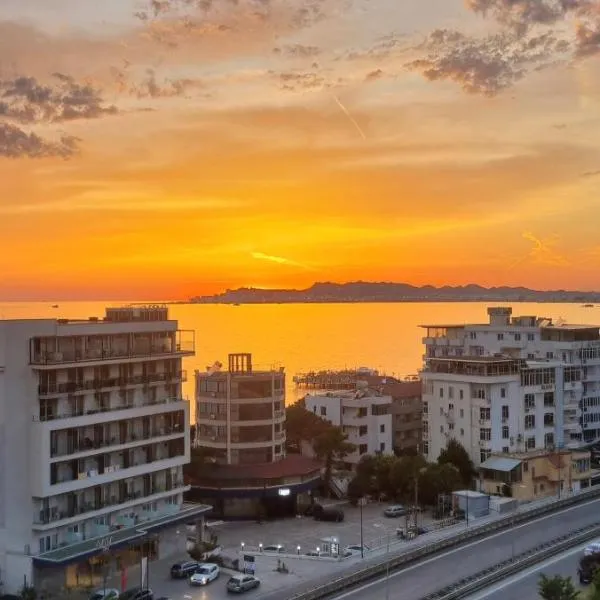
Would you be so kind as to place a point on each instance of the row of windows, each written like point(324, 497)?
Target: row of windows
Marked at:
point(500, 336)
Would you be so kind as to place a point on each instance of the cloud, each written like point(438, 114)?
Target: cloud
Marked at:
point(591, 174)
point(297, 51)
point(26, 100)
point(300, 80)
point(374, 75)
point(16, 143)
point(151, 87)
point(280, 260)
point(587, 39)
point(542, 252)
point(485, 65)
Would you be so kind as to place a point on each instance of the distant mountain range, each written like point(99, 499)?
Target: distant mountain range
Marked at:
point(361, 291)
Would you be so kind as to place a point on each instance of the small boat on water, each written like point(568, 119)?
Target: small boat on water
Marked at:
point(55, 306)
point(588, 306)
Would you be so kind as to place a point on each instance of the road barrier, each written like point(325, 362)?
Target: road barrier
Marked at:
point(389, 563)
point(482, 580)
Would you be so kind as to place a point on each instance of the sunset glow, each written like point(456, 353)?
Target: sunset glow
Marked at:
point(176, 148)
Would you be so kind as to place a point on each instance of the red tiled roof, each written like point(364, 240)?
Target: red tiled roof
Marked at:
point(294, 465)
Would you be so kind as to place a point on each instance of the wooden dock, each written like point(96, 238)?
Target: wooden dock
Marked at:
point(330, 380)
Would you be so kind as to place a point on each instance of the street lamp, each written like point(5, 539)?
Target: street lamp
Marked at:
point(361, 503)
point(298, 550)
point(260, 547)
point(242, 544)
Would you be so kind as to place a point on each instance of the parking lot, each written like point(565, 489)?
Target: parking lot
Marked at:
point(308, 533)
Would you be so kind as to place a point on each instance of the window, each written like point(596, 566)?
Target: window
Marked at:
point(484, 414)
point(473, 335)
point(484, 455)
point(531, 446)
point(549, 355)
point(500, 337)
point(451, 426)
point(517, 337)
point(441, 429)
point(450, 406)
point(505, 449)
point(323, 411)
point(529, 421)
point(441, 392)
point(479, 393)
point(531, 337)
point(548, 398)
point(505, 432)
point(382, 428)
point(485, 434)
point(505, 412)
point(462, 432)
point(441, 411)
point(502, 392)
point(450, 392)
point(548, 419)
point(525, 466)
point(363, 430)
point(549, 440)
point(362, 449)
point(462, 413)
point(382, 447)
point(530, 356)
point(425, 447)
point(529, 401)
point(425, 408)
point(461, 394)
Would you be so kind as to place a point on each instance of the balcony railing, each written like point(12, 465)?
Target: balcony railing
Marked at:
point(51, 515)
point(70, 414)
point(71, 387)
point(89, 444)
point(77, 356)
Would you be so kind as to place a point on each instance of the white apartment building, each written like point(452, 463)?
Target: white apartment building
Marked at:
point(364, 415)
point(510, 385)
point(94, 433)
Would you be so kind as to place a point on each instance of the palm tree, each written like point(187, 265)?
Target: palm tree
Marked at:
point(330, 446)
point(557, 588)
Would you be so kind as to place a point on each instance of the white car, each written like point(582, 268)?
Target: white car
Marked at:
point(205, 573)
point(105, 594)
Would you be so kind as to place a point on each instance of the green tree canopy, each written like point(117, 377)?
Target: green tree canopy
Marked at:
point(302, 425)
point(455, 454)
point(331, 446)
point(557, 588)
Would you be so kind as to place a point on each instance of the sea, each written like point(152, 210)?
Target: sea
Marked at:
point(311, 337)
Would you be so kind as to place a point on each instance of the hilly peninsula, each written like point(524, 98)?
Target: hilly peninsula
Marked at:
point(361, 291)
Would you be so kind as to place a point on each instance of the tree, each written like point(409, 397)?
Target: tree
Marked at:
point(403, 476)
point(437, 479)
point(557, 588)
point(455, 454)
point(331, 446)
point(595, 591)
point(302, 425)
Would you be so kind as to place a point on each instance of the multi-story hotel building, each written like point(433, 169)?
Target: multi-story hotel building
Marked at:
point(511, 385)
point(364, 415)
point(94, 433)
point(240, 427)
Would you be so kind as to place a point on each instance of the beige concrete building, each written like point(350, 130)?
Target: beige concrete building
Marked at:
point(537, 474)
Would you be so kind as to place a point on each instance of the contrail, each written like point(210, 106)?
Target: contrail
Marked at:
point(352, 119)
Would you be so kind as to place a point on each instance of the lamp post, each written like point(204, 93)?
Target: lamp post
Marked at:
point(362, 545)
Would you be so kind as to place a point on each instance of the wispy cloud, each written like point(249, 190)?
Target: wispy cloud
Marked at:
point(127, 202)
point(280, 260)
point(17, 143)
point(542, 252)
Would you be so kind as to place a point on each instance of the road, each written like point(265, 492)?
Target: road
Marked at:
point(523, 586)
point(415, 582)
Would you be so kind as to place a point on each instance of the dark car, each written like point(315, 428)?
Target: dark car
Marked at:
point(588, 565)
point(328, 514)
point(137, 593)
point(184, 569)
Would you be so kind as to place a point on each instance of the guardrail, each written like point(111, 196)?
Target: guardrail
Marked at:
point(390, 563)
point(465, 587)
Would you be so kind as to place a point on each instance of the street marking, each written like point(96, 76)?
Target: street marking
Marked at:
point(460, 549)
point(528, 572)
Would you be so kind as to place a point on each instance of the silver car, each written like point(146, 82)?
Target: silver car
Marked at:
point(396, 510)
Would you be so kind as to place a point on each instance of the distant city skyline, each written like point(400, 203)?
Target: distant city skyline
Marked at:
point(171, 148)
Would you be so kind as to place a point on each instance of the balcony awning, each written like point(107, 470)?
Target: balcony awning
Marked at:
point(118, 538)
point(497, 463)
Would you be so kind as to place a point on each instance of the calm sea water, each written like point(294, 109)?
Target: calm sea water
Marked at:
point(303, 337)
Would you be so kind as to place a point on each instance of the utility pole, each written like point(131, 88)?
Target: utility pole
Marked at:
point(362, 545)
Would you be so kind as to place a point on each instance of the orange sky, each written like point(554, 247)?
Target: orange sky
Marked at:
point(263, 144)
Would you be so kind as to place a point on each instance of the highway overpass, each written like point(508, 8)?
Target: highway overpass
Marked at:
point(416, 581)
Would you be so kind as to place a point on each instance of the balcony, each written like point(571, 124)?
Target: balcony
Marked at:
point(99, 409)
point(55, 516)
point(53, 355)
point(74, 387)
point(93, 545)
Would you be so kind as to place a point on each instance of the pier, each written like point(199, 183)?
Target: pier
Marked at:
point(344, 379)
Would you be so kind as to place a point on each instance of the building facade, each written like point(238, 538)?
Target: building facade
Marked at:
point(364, 415)
point(537, 474)
point(240, 429)
point(511, 385)
point(94, 433)
point(406, 409)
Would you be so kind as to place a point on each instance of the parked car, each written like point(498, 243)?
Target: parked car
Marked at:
point(356, 549)
point(205, 573)
point(242, 583)
point(105, 594)
point(588, 565)
point(274, 548)
point(316, 553)
point(396, 510)
point(330, 513)
point(184, 569)
point(137, 593)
